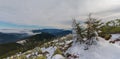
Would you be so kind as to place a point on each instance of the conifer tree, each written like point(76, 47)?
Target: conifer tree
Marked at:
point(80, 33)
point(93, 27)
point(77, 32)
point(90, 33)
point(118, 22)
point(74, 33)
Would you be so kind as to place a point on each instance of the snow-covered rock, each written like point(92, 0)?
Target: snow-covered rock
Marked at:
point(58, 56)
point(21, 42)
point(115, 36)
point(115, 39)
point(50, 51)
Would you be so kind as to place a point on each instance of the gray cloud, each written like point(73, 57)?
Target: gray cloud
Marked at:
point(55, 13)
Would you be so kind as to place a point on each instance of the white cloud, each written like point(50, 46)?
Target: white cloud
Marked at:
point(54, 13)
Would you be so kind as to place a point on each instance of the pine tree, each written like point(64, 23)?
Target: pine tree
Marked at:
point(93, 27)
point(80, 34)
point(90, 33)
point(118, 21)
point(77, 32)
point(74, 33)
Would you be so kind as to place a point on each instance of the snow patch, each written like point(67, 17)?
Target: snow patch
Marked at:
point(103, 50)
point(51, 51)
point(58, 56)
point(115, 36)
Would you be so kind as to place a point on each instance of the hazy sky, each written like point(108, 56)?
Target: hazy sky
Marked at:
point(54, 13)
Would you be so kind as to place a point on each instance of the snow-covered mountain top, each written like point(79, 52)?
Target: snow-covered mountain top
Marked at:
point(103, 50)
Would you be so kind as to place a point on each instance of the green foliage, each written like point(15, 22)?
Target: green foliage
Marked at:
point(22, 57)
point(31, 42)
point(41, 57)
point(39, 51)
point(106, 36)
point(37, 40)
point(111, 27)
point(92, 30)
point(8, 49)
point(46, 45)
point(58, 51)
point(79, 30)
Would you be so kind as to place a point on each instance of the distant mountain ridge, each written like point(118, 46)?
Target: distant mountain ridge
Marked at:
point(30, 43)
point(55, 32)
point(9, 35)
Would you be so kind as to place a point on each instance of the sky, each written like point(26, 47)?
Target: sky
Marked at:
point(54, 13)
